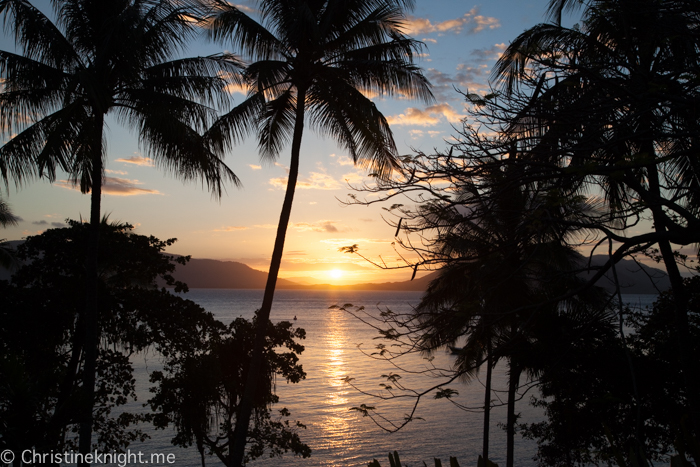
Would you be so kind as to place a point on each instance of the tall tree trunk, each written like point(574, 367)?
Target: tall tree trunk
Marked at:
point(58, 421)
point(513, 383)
point(91, 325)
point(245, 411)
point(487, 404)
point(681, 301)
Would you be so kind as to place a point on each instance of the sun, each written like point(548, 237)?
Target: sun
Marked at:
point(335, 273)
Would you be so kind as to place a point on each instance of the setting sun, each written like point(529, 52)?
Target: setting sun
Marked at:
point(335, 273)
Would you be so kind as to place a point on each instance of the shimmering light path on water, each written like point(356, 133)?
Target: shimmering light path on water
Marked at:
point(337, 435)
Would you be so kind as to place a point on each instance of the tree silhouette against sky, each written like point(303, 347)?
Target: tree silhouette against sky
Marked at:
point(99, 59)
point(622, 105)
point(315, 62)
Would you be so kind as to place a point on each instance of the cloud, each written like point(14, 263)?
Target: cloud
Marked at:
point(319, 226)
point(491, 53)
point(116, 172)
point(431, 116)
point(231, 228)
point(353, 178)
point(56, 225)
point(237, 88)
point(138, 160)
point(358, 241)
point(315, 181)
point(472, 77)
point(114, 186)
point(295, 253)
point(414, 116)
point(255, 167)
point(245, 8)
point(344, 160)
point(471, 22)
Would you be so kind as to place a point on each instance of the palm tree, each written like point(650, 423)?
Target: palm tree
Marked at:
point(98, 59)
point(626, 120)
point(315, 60)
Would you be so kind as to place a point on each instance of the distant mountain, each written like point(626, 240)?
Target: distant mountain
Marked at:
point(214, 274)
point(209, 273)
point(634, 278)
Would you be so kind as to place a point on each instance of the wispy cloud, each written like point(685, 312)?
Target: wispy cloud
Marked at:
point(353, 241)
point(489, 53)
point(114, 186)
point(116, 172)
point(255, 167)
point(245, 8)
point(343, 160)
point(431, 116)
point(417, 134)
point(236, 88)
point(471, 23)
point(57, 225)
point(315, 181)
point(324, 226)
point(138, 160)
point(125, 187)
point(231, 228)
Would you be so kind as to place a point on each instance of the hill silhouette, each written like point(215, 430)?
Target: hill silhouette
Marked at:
point(210, 273)
point(215, 274)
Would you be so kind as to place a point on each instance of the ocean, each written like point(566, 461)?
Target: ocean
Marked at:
point(338, 345)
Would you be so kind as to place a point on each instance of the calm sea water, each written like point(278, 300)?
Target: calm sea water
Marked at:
point(334, 345)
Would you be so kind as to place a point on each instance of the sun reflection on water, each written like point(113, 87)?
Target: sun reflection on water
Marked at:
point(336, 422)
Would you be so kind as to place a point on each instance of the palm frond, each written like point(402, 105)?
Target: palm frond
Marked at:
point(228, 23)
point(37, 36)
point(276, 125)
point(235, 125)
point(356, 123)
point(179, 149)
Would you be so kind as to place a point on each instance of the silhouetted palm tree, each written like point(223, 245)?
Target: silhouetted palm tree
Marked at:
point(102, 58)
point(315, 60)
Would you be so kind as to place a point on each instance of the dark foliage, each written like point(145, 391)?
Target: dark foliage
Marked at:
point(42, 346)
point(588, 394)
point(200, 390)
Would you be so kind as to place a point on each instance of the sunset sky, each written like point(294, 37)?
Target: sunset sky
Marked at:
point(463, 41)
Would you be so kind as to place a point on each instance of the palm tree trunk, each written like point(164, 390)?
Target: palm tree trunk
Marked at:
point(513, 382)
point(245, 411)
point(487, 404)
point(91, 325)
